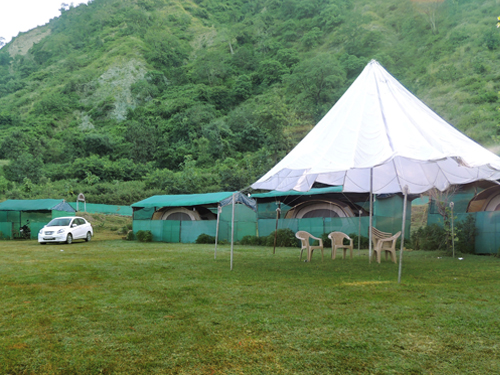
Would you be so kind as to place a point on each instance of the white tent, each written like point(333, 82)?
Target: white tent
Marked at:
point(380, 138)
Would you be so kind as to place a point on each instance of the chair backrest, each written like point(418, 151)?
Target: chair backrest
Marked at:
point(379, 234)
point(303, 236)
point(338, 237)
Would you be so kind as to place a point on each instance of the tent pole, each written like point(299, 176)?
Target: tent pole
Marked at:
point(405, 192)
point(217, 231)
point(232, 234)
point(452, 234)
point(278, 210)
point(359, 233)
point(371, 218)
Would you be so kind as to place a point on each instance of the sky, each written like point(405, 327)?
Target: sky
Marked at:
point(23, 15)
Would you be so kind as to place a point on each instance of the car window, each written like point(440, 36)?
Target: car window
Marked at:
point(59, 222)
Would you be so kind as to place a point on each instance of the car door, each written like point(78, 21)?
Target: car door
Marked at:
point(78, 229)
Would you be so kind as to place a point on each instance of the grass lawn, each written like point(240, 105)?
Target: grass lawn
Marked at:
point(118, 307)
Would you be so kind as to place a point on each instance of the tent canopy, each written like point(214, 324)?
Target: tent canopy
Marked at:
point(36, 205)
point(193, 200)
point(318, 191)
point(378, 131)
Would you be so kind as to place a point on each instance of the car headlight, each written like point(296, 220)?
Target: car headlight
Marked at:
point(60, 231)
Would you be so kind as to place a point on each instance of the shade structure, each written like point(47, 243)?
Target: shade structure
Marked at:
point(380, 138)
point(378, 127)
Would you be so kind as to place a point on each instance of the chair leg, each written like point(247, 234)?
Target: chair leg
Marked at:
point(309, 255)
point(334, 252)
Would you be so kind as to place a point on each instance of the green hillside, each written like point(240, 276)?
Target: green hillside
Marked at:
point(123, 99)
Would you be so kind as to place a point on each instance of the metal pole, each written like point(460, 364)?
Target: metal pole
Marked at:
point(359, 233)
point(452, 234)
point(217, 231)
point(278, 210)
point(371, 218)
point(232, 234)
point(405, 192)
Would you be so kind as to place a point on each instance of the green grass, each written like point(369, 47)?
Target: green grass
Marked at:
point(119, 307)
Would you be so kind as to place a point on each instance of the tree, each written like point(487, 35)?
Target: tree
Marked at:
point(24, 166)
point(429, 9)
point(316, 81)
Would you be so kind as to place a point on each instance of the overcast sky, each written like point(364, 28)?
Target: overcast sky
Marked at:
point(23, 15)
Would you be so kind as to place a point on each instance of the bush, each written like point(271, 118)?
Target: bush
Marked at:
point(365, 241)
point(144, 236)
point(254, 241)
point(205, 238)
point(284, 238)
point(130, 236)
point(430, 237)
point(466, 231)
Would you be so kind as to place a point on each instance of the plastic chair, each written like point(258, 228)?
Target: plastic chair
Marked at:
point(304, 237)
point(383, 241)
point(338, 243)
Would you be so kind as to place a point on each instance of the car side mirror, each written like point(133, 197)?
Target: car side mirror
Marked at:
point(73, 225)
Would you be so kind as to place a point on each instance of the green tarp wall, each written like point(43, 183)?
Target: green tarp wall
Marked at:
point(107, 209)
point(188, 231)
point(11, 221)
point(487, 222)
point(487, 225)
point(316, 226)
point(388, 213)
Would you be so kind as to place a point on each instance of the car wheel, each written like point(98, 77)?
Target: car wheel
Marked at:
point(88, 237)
point(69, 239)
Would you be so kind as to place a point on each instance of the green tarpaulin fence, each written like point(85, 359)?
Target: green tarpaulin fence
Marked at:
point(487, 239)
point(106, 209)
point(188, 231)
point(11, 221)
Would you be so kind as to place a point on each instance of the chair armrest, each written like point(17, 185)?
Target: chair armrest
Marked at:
point(316, 238)
point(392, 238)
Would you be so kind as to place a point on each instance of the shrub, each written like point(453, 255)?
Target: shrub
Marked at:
point(466, 231)
point(365, 241)
point(326, 241)
point(430, 237)
point(284, 238)
point(144, 236)
point(205, 238)
point(254, 241)
point(130, 236)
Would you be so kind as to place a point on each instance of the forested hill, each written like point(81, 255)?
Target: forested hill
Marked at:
point(123, 99)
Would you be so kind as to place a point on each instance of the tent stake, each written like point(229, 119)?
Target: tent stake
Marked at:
point(405, 192)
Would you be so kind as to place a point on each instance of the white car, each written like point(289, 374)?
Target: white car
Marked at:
point(66, 229)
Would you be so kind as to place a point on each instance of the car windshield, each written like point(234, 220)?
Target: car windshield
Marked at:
point(59, 223)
